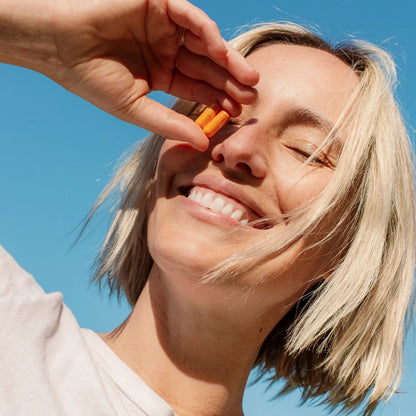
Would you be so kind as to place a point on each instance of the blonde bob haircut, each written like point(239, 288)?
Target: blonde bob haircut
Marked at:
point(343, 341)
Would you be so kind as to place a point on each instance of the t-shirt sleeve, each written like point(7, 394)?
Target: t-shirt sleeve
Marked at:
point(45, 366)
point(28, 320)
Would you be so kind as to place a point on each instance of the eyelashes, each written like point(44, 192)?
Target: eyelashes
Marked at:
point(311, 157)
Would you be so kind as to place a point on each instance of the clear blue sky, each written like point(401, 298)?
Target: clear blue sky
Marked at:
point(57, 153)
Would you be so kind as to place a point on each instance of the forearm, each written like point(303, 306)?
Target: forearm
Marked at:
point(26, 34)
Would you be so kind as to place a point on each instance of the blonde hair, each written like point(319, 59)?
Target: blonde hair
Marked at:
point(343, 340)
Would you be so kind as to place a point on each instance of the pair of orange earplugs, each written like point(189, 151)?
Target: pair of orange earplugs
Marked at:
point(212, 119)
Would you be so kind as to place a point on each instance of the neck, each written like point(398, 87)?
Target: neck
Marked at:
point(195, 351)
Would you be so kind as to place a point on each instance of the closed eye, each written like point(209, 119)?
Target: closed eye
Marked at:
point(310, 156)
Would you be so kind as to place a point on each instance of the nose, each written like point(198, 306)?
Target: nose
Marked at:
point(243, 151)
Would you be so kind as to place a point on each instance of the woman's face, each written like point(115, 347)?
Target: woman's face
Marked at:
point(254, 168)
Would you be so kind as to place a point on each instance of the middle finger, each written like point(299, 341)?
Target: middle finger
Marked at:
point(201, 68)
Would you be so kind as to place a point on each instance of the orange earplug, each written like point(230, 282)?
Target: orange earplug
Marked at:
point(207, 115)
point(216, 124)
point(212, 120)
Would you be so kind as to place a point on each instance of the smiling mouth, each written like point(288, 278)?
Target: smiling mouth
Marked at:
point(220, 203)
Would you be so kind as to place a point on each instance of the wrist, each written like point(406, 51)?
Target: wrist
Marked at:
point(27, 34)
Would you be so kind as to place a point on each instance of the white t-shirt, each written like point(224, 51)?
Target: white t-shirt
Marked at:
point(50, 366)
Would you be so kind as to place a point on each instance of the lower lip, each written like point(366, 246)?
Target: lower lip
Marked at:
point(210, 216)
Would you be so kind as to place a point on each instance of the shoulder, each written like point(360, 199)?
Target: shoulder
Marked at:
point(44, 364)
point(14, 281)
point(27, 313)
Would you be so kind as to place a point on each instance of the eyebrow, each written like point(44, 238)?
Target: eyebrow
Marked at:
point(306, 116)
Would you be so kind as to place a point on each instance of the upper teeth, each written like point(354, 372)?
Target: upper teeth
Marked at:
point(216, 202)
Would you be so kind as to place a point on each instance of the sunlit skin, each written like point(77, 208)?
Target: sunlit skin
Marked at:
point(195, 344)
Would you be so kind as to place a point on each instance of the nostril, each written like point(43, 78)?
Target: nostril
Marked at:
point(241, 153)
point(219, 157)
point(244, 166)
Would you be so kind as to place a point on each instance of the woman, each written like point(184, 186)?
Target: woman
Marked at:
point(236, 255)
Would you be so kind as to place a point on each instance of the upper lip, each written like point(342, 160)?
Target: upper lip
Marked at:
point(229, 189)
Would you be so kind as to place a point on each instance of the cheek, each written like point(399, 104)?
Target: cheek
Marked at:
point(175, 156)
point(296, 185)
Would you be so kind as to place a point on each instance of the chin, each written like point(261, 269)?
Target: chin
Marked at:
point(186, 252)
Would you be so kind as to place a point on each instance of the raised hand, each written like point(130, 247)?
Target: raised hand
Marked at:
point(114, 52)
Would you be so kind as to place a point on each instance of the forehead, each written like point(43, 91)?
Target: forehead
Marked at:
point(303, 76)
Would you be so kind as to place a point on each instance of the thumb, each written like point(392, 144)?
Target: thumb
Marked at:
point(159, 119)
